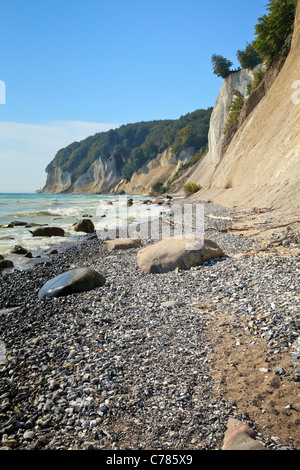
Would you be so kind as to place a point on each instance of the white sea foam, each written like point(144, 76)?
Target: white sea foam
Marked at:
point(63, 211)
point(74, 211)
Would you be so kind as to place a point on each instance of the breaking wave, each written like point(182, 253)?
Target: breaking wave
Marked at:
point(74, 211)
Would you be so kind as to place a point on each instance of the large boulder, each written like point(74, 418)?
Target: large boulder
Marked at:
point(177, 252)
point(48, 232)
point(122, 244)
point(85, 225)
point(72, 282)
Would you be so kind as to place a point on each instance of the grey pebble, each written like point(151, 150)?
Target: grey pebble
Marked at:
point(28, 435)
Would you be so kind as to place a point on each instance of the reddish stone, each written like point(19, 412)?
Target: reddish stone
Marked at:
point(240, 436)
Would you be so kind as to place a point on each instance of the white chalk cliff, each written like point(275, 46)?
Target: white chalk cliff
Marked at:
point(257, 164)
point(167, 163)
point(104, 175)
point(260, 167)
point(101, 176)
point(160, 169)
point(235, 81)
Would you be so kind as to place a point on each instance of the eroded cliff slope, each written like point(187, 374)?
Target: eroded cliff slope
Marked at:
point(203, 172)
point(165, 165)
point(261, 165)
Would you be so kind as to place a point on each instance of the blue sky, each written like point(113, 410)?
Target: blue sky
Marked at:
point(73, 68)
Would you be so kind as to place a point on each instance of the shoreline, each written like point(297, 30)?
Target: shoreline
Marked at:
point(151, 361)
point(109, 210)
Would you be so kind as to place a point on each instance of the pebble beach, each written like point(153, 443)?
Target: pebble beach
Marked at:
point(153, 361)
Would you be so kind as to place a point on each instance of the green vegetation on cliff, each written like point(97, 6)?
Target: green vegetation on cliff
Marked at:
point(249, 57)
point(274, 32)
point(133, 145)
point(221, 66)
point(235, 109)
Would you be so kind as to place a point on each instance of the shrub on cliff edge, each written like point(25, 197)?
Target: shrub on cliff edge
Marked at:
point(191, 188)
point(221, 66)
point(235, 109)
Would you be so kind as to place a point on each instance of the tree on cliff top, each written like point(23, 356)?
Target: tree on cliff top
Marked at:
point(221, 66)
point(249, 57)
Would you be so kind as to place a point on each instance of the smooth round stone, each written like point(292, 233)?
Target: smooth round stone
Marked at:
point(28, 435)
point(72, 282)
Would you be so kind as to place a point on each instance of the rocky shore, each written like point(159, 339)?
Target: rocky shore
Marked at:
point(154, 361)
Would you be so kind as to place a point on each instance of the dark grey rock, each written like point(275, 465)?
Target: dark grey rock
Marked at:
point(48, 232)
point(72, 282)
point(16, 223)
point(19, 250)
point(52, 252)
point(279, 370)
point(6, 264)
point(85, 225)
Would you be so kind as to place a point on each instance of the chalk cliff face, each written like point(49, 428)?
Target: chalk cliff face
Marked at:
point(257, 164)
point(165, 165)
point(99, 162)
point(58, 181)
point(235, 81)
point(261, 165)
point(101, 176)
point(104, 175)
point(161, 169)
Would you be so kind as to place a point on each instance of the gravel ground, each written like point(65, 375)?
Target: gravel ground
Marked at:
point(136, 364)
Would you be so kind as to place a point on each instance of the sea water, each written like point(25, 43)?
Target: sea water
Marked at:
point(63, 210)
